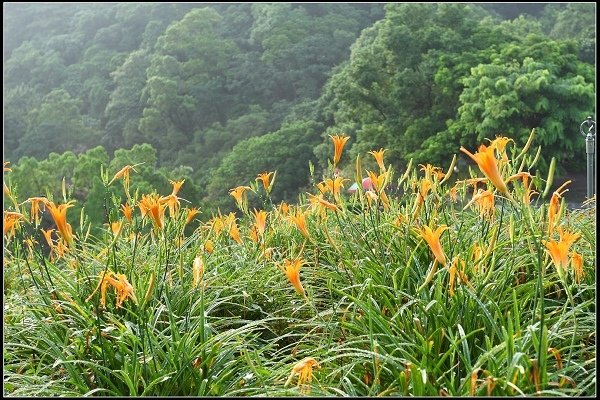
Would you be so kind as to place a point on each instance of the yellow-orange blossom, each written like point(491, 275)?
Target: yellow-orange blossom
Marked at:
point(488, 164)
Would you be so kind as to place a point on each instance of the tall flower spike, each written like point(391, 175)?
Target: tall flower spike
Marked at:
point(488, 164)
point(338, 146)
point(59, 215)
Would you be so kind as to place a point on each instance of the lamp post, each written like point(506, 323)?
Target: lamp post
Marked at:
point(590, 150)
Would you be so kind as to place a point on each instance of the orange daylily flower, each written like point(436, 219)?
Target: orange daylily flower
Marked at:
point(484, 200)
point(260, 218)
point(488, 164)
point(11, 222)
point(119, 282)
point(318, 200)
point(216, 224)
point(292, 272)
point(338, 146)
point(239, 196)
point(577, 264)
point(265, 178)
point(378, 155)
point(433, 240)
point(304, 370)
point(176, 186)
point(335, 186)
point(300, 220)
point(59, 215)
point(124, 173)
point(209, 246)
point(127, 210)
point(559, 250)
point(233, 228)
point(554, 206)
point(191, 213)
point(152, 205)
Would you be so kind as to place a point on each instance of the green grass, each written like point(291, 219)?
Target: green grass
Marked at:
point(514, 326)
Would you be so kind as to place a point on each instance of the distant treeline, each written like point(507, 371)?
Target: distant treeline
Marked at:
point(216, 93)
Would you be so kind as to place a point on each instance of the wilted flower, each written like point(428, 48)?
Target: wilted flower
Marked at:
point(432, 172)
point(304, 370)
point(11, 222)
point(119, 282)
point(484, 200)
point(320, 202)
point(35, 208)
point(124, 173)
point(197, 271)
point(577, 264)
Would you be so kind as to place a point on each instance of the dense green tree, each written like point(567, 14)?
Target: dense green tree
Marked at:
point(56, 126)
point(287, 151)
point(186, 86)
point(424, 67)
point(536, 84)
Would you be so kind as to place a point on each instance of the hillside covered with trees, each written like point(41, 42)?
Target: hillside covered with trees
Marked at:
point(214, 93)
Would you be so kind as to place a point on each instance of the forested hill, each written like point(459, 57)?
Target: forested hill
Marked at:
point(216, 93)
